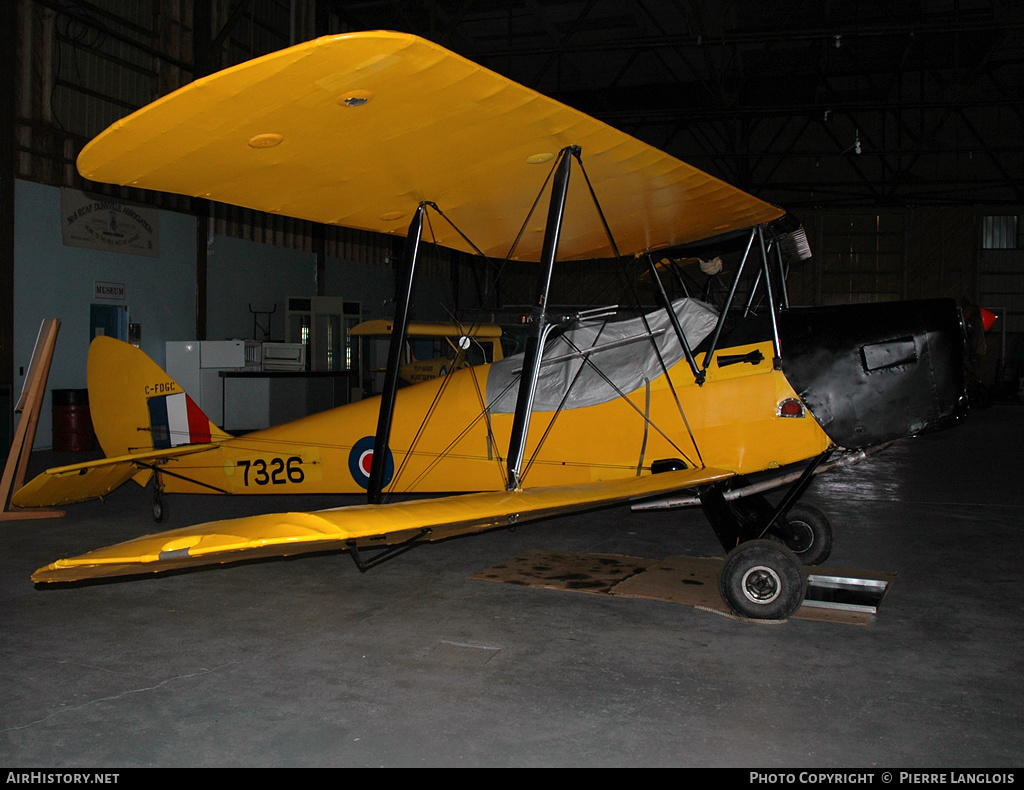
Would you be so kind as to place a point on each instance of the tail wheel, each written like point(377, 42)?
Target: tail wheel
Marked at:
point(763, 580)
point(159, 506)
point(808, 534)
point(159, 509)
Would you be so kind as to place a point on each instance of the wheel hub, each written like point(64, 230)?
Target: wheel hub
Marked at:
point(800, 536)
point(761, 584)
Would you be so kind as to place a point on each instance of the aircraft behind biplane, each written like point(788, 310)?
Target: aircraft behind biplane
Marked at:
point(374, 130)
point(459, 346)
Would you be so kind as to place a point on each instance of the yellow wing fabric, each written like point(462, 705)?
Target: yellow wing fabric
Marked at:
point(357, 129)
point(64, 485)
point(286, 534)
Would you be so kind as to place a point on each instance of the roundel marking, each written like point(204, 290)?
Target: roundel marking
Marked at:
point(360, 459)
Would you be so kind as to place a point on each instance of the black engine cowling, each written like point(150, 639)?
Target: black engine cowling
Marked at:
point(872, 373)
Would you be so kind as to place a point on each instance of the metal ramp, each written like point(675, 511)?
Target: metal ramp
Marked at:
point(845, 593)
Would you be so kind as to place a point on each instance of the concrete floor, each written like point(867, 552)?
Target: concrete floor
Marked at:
point(308, 662)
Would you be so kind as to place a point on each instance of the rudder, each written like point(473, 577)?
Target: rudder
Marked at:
point(136, 406)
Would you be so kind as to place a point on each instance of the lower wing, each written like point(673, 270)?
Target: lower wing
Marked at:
point(284, 534)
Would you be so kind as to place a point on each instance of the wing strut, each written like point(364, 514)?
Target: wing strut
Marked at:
point(698, 375)
point(375, 486)
point(535, 343)
point(385, 554)
point(766, 268)
point(728, 302)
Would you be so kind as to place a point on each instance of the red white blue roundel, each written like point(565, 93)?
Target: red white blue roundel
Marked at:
point(360, 460)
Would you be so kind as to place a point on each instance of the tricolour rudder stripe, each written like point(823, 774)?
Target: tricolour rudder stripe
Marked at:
point(176, 420)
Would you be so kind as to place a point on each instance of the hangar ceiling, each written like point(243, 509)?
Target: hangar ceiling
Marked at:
point(806, 103)
point(890, 126)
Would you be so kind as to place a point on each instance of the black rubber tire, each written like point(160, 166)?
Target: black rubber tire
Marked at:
point(817, 535)
point(763, 580)
point(159, 509)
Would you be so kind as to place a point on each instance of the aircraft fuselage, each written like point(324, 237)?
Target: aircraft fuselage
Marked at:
point(851, 377)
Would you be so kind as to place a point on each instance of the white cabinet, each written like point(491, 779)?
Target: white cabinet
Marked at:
point(196, 364)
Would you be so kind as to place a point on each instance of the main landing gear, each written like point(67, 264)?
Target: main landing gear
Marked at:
point(764, 577)
point(763, 580)
point(806, 531)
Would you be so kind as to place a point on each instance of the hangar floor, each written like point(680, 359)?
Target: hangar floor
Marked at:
point(308, 662)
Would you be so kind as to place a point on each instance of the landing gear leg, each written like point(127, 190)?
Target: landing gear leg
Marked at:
point(768, 546)
point(159, 506)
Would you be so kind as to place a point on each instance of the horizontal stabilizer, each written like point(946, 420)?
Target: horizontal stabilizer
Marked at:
point(64, 485)
point(285, 534)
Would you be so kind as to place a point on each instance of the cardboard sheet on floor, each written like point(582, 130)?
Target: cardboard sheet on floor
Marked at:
point(680, 579)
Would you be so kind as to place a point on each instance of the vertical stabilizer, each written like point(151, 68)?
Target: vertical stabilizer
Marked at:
point(136, 406)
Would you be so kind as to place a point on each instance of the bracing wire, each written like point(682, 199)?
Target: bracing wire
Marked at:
point(636, 299)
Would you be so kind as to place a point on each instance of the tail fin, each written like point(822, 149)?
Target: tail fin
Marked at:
point(136, 407)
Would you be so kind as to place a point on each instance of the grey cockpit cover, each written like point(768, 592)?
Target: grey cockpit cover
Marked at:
point(595, 362)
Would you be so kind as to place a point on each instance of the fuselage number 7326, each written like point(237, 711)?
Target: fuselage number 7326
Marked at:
point(272, 471)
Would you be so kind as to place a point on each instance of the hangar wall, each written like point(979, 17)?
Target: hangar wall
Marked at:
point(873, 255)
point(53, 280)
point(244, 274)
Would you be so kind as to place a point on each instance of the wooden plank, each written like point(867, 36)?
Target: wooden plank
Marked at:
point(29, 404)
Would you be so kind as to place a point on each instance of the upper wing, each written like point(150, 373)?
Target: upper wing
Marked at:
point(284, 534)
point(357, 129)
point(64, 485)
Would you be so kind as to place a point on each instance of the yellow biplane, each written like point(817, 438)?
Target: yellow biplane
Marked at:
point(463, 346)
point(392, 133)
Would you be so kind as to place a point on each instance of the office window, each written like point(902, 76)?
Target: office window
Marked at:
point(999, 233)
